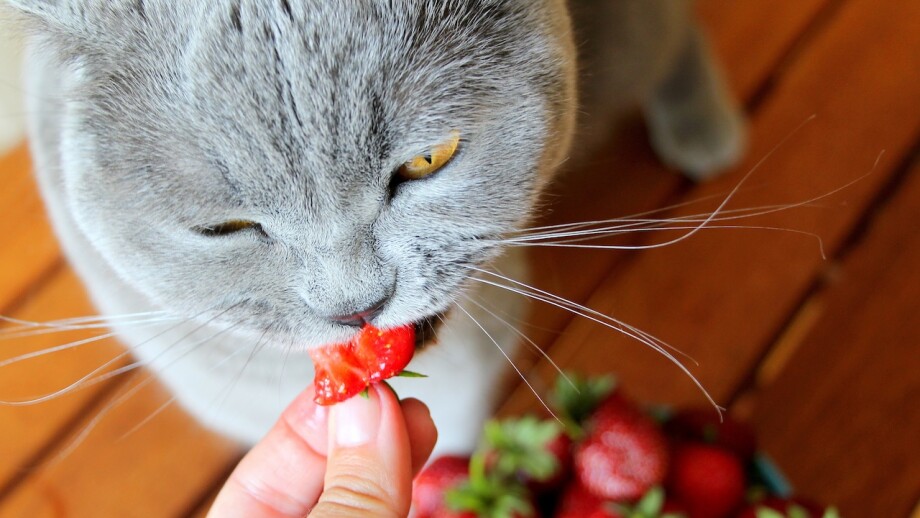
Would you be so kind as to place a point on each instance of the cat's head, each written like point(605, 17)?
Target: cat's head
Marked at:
point(247, 158)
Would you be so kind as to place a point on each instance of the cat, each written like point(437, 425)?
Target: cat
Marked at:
point(237, 181)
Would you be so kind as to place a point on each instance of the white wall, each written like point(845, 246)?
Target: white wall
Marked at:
point(12, 124)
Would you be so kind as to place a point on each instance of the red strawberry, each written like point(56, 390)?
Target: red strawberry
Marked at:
point(458, 487)
point(578, 502)
point(343, 370)
point(385, 353)
point(447, 513)
point(708, 480)
point(704, 425)
point(624, 454)
point(430, 486)
point(797, 507)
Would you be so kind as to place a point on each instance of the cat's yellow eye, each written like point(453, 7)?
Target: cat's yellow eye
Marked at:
point(437, 157)
point(228, 227)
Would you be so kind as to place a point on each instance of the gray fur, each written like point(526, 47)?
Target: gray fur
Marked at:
point(161, 116)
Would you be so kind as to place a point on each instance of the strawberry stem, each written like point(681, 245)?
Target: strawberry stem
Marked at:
point(410, 374)
point(576, 397)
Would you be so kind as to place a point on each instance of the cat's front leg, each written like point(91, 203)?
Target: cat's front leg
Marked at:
point(694, 122)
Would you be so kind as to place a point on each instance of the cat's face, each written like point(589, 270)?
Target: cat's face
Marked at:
point(295, 118)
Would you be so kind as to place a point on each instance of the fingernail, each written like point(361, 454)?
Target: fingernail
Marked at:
point(317, 420)
point(311, 421)
point(357, 420)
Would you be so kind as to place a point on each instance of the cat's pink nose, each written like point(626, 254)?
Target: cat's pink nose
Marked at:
point(361, 317)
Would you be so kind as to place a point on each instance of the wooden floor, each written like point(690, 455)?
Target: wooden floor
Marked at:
point(822, 354)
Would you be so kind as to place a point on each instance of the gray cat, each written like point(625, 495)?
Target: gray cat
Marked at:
point(247, 179)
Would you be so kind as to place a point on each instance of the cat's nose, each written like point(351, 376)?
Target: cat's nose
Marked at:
point(360, 318)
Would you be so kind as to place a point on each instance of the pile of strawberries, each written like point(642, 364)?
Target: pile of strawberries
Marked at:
point(606, 458)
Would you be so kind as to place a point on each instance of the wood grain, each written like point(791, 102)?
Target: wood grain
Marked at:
point(752, 37)
point(853, 384)
point(27, 245)
point(627, 178)
point(723, 296)
point(29, 435)
point(160, 469)
point(26, 431)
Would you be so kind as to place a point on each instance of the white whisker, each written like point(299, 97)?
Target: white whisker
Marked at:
point(629, 217)
point(515, 367)
point(79, 322)
point(81, 436)
point(55, 349)
point(572, 243)
point(58, 348)
point(590, 228)
point(569, 305)
point(535, 347)
point(94, 376)
point(285, 357)
point(222, 397)
point(172, 399)
point(628, 330)
point(25, 332)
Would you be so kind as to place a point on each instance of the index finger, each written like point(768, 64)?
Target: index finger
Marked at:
point(283, 474)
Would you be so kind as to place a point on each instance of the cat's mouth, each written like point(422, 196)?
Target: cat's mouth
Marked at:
point(426, 330)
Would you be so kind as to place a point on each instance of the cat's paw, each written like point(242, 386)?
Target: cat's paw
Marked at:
point(700, 146)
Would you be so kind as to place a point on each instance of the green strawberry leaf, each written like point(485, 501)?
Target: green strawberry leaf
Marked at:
point(796, 511)
point(519, 446)
point(495, 498)
point(766, 512)
point(575, 398)
point(649, 506)
point(651, 503)
point(831, 512)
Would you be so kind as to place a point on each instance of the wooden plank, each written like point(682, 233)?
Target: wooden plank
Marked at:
point(160, 469)
point(750, 36)
point(202, 510)
point(25, 431)
point(628, 178)
point(853, 383)
point(645, 187)
point(722, 297)
point(27, 245)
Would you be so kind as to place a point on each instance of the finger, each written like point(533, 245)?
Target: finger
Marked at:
point(422, 433)
point(283, 474)
point(369, 471)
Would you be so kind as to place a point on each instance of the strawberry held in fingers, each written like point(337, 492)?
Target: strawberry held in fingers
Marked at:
point(344, 370)
point(384, 353)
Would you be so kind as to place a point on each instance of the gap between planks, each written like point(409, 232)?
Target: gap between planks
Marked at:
point(809, 311)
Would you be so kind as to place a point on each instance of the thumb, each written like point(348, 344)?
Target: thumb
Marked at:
point(369, 467)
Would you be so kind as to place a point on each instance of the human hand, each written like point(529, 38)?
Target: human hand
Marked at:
point(356, 458)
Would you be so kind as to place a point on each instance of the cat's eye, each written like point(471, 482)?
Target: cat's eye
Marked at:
point(437, 157)
point(228, 227)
